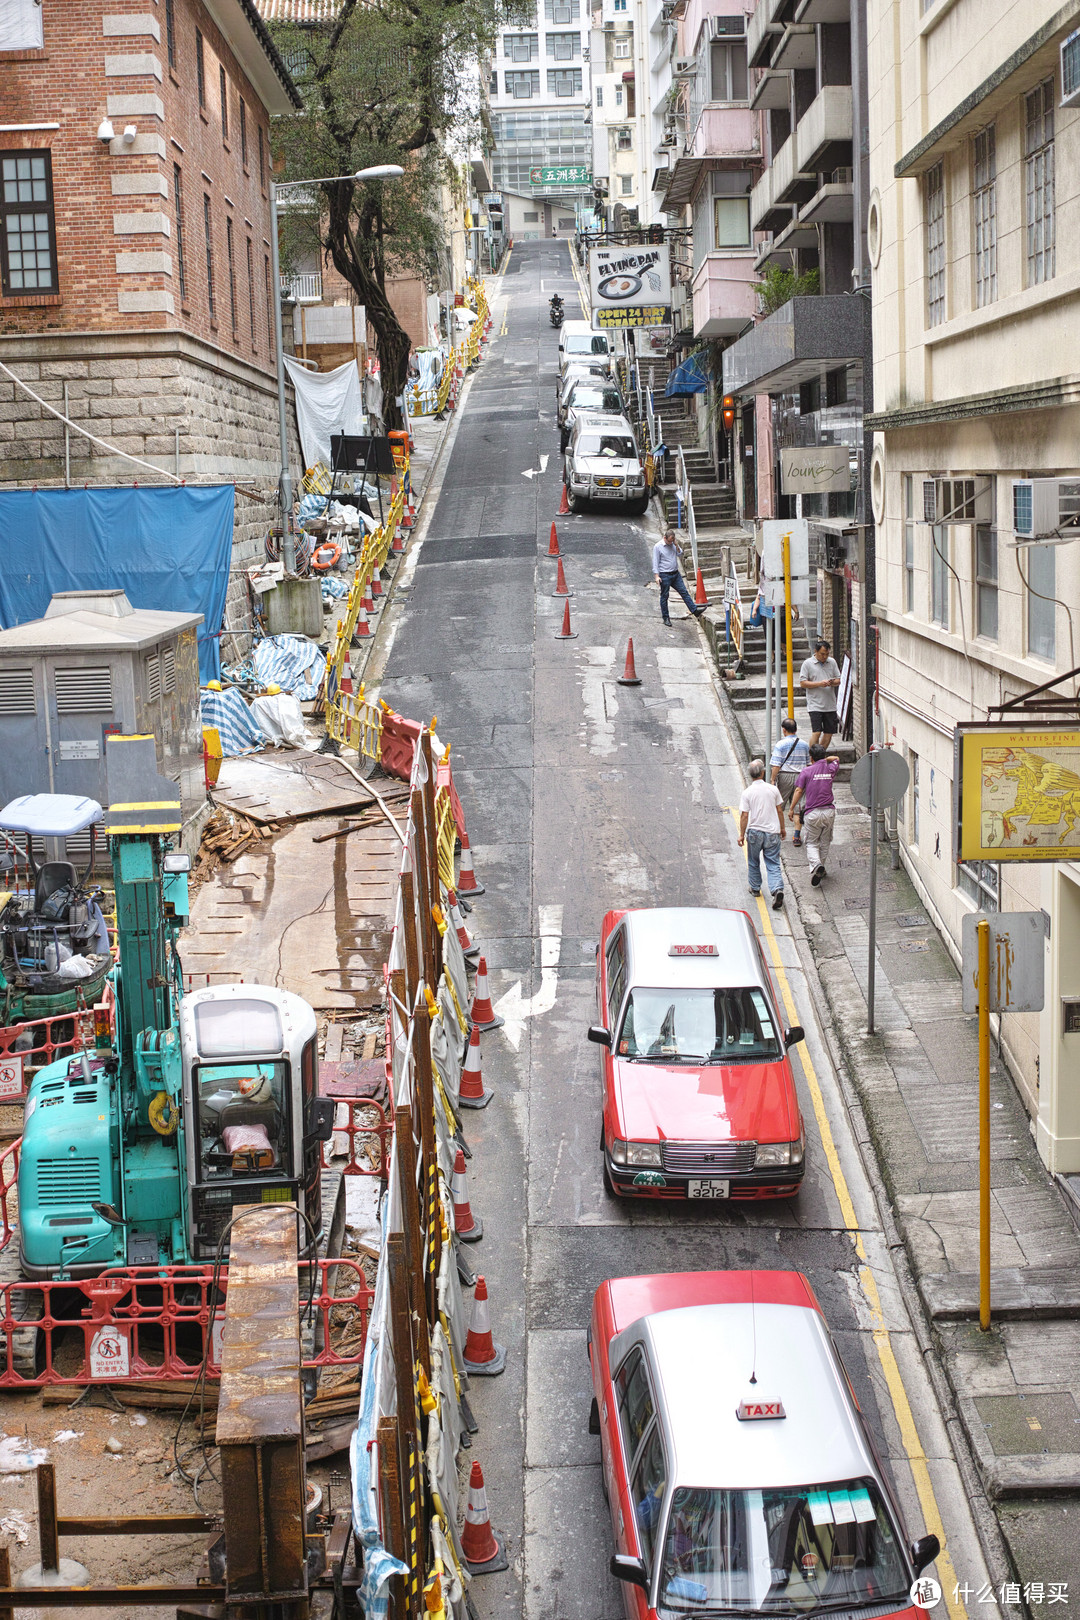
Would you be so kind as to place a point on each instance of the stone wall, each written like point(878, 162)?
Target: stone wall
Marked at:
point(168, 398)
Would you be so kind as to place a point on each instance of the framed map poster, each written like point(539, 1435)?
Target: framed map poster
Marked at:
point(1018, 792)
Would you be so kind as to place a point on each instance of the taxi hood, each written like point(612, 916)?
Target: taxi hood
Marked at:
point(608, 466)
point(698, 1102)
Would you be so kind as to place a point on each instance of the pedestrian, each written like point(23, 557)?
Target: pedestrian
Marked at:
point(815, 788)
point(665, 561)
point(788, 758)
point(761, 827)
point(819, 677)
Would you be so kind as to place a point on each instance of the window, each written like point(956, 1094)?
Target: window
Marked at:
point(913, 760)
point(727, 61)
point(984, 201)
point(986, 581)
point(20, 26)
point(522, 47)
point(731, 221)
point(178, 210)
point(1039, 178)
point(564, 81)
point(618, 95)
point(269, 307)
point(209, 257)
point(262, 160)
point(616, 977)
point(562, 11)
point(564, 47)
point(1041, 607)
point(909, 544)
point(636, 1409)
point(935, 245)
point(523, 85)
point(224, 84)
point(622, 49)
point(531, 216)
point(200, 68)
point(243, 133)
point(493, 84)
point(979, 881)
point(624, 141)
point(28, 242)
point(232, 271)
point(251, 291)
point(939, 574)
point(170, 33)
point(599, 95)
point(627, 181)
point(647, 1492)
point(620, 5)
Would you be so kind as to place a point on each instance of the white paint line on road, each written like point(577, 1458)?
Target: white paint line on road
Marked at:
point(515, 1007)
point(598, 701)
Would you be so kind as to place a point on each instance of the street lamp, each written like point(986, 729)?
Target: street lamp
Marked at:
point(379, 171)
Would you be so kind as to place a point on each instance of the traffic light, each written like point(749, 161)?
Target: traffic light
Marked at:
point(727, 412)
point(656, 234)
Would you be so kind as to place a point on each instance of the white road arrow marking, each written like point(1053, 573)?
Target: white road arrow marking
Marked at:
point(534, 472)
point(515, 1007)
point(543, 463)
point(531, 473)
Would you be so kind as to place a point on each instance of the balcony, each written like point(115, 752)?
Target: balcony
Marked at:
point(724, 297)
point(823, 134)
point(772, 91)
point(305, 288)
point(805, 337)
point(832, 204)
point(797, 48)
point(765, 212)
point(796, 234)
point(721, 132)
point(761, 35)
point(782, 183)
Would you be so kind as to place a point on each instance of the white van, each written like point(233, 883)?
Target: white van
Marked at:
point(578, 341)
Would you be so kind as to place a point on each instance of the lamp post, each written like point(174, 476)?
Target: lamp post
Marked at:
point(380, 171)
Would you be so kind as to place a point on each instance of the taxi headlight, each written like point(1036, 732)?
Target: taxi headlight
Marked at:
point(643, 1153)
point(770, 1155)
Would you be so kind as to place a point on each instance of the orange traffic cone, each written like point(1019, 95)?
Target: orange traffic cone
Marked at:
point(566, 634)
point(376, 585)
point(467, 946)
point(481, 1012)
point(564, 504)
point(466, 1225)
point(367, 601)
point(700, 597)
point(467, 883)
point(473, 1093)
point(483, 1550)
point(561, 587)
point(398, 543)
point(482, 1355)
point(345, 684)
point(553, 543)
point(362, 626)
point(630, 676)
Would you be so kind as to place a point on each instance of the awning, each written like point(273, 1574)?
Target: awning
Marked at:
point(689, 378)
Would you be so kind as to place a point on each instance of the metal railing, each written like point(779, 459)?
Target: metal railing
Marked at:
point(306, 287)
point(686, 497)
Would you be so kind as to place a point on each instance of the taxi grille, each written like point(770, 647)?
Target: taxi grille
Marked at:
point(708, 1158)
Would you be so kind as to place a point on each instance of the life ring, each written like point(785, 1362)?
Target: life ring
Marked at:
point(325, 556)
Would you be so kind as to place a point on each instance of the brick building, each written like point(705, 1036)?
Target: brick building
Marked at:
point(135, 257)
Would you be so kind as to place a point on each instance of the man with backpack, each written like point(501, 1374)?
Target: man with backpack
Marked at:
point(789, 757)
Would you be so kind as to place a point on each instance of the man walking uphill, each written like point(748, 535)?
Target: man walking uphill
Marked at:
point(665, 562)
point(815, 784)
point(819, 678)
point(761, 827)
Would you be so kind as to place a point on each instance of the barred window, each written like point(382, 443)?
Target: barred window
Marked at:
point(564, 81)
point(243, 133)
point(269, 307)
point(170, 33)
point(209, 256)
point(984, 199)
point(935, 245)
point(200, 68)
point(178, 209)
point(28, 234)
point(230, 254)
point(523, 85)
point(1039, 178)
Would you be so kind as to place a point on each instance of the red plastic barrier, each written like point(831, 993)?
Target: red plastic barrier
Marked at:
point(9, 1180)
point(398, 744)
point(49, 1038)
point(362, 1134)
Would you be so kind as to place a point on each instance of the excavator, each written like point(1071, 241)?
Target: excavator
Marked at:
point(138, 1150)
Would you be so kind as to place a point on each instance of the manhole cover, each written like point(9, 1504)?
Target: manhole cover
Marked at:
point(857, 905)
point(914, 945)
point(885, 887)
point(910, 919)
point(849, 810)
point(1025, 1425)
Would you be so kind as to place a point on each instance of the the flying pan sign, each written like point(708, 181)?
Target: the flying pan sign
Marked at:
point(629, 286)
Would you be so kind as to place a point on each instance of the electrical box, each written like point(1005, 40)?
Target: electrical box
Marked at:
point(1070, 1015)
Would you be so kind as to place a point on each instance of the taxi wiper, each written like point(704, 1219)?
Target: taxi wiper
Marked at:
point(865, 1601)
point(672, 1057)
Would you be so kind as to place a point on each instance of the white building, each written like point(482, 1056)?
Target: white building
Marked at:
point(619, 60)
point(539, 99)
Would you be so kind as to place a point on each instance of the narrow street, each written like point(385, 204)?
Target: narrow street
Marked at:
point(584, 795)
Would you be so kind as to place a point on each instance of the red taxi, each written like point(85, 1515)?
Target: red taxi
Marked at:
point(699, 1098)
point(740, 1474)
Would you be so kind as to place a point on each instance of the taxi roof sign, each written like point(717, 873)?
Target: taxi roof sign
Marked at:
point(746, 1411)
point(692, 950)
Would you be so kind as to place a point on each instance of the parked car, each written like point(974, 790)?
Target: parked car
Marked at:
point(602, 464)
point(698, 1095)
point(739, 1469)
point(596, 396)
point(578, 340)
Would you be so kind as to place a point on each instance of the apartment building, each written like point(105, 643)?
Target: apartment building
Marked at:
point(538, 96)
point(135, 257)
point(803, 374)
point(974, 246)
point(620, 155)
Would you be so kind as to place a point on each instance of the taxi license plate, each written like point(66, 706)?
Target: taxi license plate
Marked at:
point(708, 1189)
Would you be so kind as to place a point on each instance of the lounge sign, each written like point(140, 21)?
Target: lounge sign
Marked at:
point(818, 469)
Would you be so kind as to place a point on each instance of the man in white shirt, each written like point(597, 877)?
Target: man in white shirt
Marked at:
point(761, 827)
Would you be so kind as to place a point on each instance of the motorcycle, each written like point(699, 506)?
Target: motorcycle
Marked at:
point(555, 311)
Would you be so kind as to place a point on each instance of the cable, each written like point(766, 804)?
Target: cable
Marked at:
point(102, 444)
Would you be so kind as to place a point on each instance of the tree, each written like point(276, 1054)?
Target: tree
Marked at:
point(780, 286)
point(384, 82)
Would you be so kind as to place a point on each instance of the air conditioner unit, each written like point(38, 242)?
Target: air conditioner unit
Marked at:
point(1070, 70)
point(727, 27)
point(1044, 506)
point(957, 500)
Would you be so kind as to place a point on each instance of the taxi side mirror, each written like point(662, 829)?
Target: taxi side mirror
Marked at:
point(632, 1570)
point(923, 1552)
point(794, 1035)
point(599, 1034)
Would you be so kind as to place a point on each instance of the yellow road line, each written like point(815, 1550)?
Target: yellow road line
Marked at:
point(905, 1419)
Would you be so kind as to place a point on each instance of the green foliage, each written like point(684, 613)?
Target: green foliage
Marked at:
point(388, 81)
point(780, 286)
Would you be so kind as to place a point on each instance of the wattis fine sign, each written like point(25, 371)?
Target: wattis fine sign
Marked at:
point(817, 469)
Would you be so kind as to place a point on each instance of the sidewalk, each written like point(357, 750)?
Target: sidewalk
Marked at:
point(1016, 1388)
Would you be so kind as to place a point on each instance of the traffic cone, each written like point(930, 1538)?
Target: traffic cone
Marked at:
point(482, 1355)
point(553, 543)
point(408, 517)
point(467, 946)
point(466, 1225)
point(376, 585)
point(564, 504)
point(566, 634)
point(345, 684)
point(700, 598)
point(398, 542)
point(363, 628)
point(483, 1550)
point(561, 587)
point(473, 1092)
point(367, 601)
point(481, 1012)
point(467, 883)
point(630, 676)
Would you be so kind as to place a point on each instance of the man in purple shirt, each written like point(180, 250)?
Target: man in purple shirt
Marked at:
point(815, 785)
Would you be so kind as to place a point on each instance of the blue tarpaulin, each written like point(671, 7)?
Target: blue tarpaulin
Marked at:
point(689, 378)
point(168, 549)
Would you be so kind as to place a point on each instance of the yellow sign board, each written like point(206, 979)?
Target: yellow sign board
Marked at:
point(1019, 793)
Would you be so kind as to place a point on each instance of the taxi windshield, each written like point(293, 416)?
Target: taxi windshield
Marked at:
point(709, 1026)
point(606, 444)
point(794, 1550)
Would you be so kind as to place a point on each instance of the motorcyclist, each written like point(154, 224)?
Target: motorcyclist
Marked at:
point(556, 310)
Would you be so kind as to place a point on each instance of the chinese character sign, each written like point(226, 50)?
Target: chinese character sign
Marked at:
point(574, 174)
point(630, 286)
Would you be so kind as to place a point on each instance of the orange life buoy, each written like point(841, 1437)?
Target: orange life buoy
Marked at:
point(325, 556)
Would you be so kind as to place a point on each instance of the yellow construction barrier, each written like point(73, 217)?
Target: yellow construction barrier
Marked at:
point(352, 720)
point(373, 555)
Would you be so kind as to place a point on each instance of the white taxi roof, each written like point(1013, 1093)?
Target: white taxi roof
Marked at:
point(652, 932)
point(704, 1356)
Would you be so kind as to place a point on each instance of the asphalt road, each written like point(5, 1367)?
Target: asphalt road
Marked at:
point(582, 795)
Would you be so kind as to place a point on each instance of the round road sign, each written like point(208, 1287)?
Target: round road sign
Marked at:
point(892, 775)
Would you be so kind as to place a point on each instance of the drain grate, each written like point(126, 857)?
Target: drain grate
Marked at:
point(911, 919)
point(914, 945)
point(857, 905)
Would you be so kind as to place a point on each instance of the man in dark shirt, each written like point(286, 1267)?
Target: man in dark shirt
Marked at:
point(815, 786)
